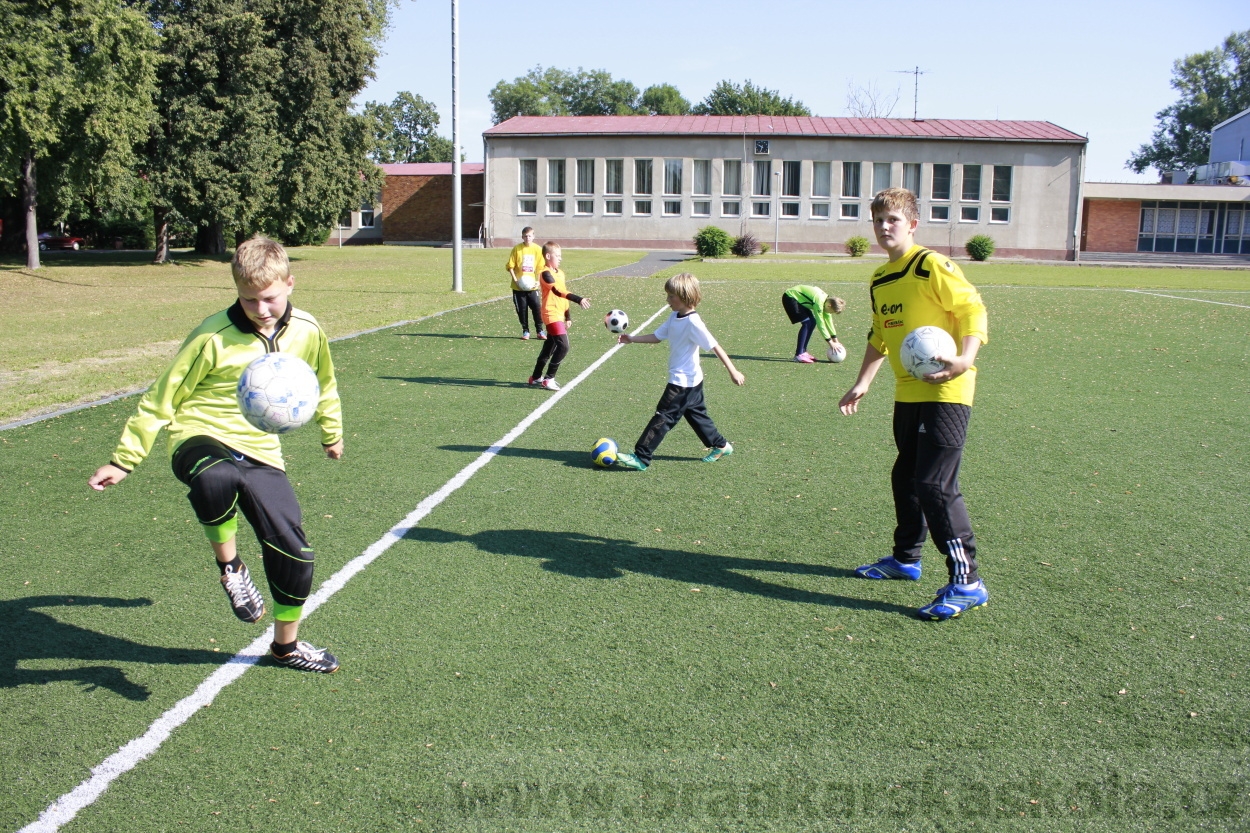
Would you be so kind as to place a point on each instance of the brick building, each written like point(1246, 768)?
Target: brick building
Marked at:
point(1147, 217)
point(416, 202)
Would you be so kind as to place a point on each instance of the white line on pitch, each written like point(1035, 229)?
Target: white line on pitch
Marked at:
point(1183, 298)
point(63, 810)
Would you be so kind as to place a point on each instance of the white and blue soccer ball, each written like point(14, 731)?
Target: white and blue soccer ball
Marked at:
point(605, 453)
point(921, 345)
point(616, 321)
point(278, 393)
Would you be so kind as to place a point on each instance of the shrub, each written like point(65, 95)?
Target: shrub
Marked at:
point(980, 247)
point(712, 241)
point(765, 248)
point(746, 245)
point(857, 246)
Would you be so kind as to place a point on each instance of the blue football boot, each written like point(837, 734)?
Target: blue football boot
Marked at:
point(890, 567)
point(951, 601)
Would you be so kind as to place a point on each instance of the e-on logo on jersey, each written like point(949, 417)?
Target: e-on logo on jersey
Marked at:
point(891, 309)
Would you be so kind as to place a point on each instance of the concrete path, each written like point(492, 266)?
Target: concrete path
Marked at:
point(651, 263)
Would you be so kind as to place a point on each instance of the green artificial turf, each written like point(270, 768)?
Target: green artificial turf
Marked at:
point(562, 648)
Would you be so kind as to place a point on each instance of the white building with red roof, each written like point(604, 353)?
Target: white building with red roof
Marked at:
point(804, 182)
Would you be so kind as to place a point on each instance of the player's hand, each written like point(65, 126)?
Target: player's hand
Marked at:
point(335, 452)
point(585, 303)
point(849, 403)
point(955, 367)
point(624, 338)
point(106, 475)
point(738, 378)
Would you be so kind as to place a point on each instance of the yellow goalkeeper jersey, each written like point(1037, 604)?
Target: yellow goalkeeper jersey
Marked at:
point(921, 289)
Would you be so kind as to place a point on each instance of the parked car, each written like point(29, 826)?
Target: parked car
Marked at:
point(47, 240)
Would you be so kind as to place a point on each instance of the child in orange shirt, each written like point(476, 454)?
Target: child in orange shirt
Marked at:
point(554, 309)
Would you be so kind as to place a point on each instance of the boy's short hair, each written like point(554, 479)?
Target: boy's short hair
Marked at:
point(895, 199)
point(686, 287)
point(835, 304)
point(526, 230)
point(259, 262)
point(549, 247)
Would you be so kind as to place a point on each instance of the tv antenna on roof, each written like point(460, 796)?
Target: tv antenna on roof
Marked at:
point(917, 72)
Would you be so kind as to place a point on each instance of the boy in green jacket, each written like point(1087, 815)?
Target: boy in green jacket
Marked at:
point(228, 464)
point(811, 309)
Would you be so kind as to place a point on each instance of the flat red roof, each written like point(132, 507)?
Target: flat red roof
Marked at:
point(430, 168)
point(763, 126)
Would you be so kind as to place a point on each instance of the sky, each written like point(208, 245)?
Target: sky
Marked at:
point(1100, 68)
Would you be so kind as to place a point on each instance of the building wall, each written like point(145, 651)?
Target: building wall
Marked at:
point(417, 209)
point(1041, 208)
point(1230, 141)
point(353, 231)
point(1110, 225)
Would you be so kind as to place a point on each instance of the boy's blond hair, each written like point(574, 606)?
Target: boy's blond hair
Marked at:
point(686, 287)
point(895, 199)
point(549, 247)
point(260, 262)
point(835, 304)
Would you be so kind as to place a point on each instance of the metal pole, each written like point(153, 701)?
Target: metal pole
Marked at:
point(457, 284)
point(777, 219)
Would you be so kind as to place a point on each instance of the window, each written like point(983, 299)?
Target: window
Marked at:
point(789, 209)
point(969, 214)
point(527, 207)
point(585, 176)
point(642, 178)
point(346, 220)
point(911, 177)
point(672, 177)
point(760, 209)
point(1000, 191)
point(366, 216)
point(529, 177)
point(762, 184)
point(703, 177)
point(555, 176)
point(850, 211)
point(642, 208)
point(850, 180)
point(790, 175)
point(880, 176)
point(941, 188)
point(614, 176)
point(820, 211)
point(972, 182)
point(822, 176)
point(940, 213)
point(555, 206)
point(672, 208)
point(731, 209)
point(1000, 214)
point(701, 208)
point(612, 208)
point(732, 185)
point(585, 207)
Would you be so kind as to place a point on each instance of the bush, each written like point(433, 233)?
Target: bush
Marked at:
point(857, 246)
point(746, 245)
point(712, 241)
point(765, 248)
point(980, 247)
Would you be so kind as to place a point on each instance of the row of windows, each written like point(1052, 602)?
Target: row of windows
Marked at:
point(1194, 227)
point(789, 178)
point(733, 208)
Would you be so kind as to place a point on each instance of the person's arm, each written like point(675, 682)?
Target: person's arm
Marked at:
point(734, 373)
point(335, 450)
point(108, 474)
point(873, 359)
point(649, 338)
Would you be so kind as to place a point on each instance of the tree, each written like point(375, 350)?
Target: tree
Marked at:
point(664, 100)
point(869, 101)
point(558, 92)
point(76, 83)
point(729, 99)
point(403, 131)
point(1213, 86)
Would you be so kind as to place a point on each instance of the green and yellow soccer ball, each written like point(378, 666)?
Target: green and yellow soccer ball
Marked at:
point(604, 453)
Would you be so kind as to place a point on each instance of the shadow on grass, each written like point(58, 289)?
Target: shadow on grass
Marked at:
point(33, 635)
point(110, 257)
point(572, 459)
point(760, 359)
point(458, 382)
point(596, 557)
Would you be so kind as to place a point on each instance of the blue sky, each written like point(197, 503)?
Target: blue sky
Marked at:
point(1099, 67)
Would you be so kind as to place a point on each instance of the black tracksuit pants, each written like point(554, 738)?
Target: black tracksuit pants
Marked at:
point(678, 402)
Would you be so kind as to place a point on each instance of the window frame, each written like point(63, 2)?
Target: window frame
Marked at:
point(557, 173)
point(965, 210)
point(639, 211)
point(584, 165)
point(580, 209)
point(963, 183)
point(702, 169)
point(727, 179)
point(811, 213)
point(762, 209)
point(673, 171)
point(608, 166)
point(522, 166)
point(851, 172)
point(994, 192)
point(644, 169)
point(849, 211)
point(737, 208)
point(913, 170)
point(618, 204)
point(934, 179)
point(791, 178)
point(524, 210)
point(757, 166)
point(934, 209)
point(817, 167)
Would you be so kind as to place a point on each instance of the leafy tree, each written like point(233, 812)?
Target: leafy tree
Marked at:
point(664, 100)
point(558, 92)
point(403, 131)
point(1213, 86)
point(729, 99)
point(76, 82)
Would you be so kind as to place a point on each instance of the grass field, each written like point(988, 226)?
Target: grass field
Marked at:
point(560, 648)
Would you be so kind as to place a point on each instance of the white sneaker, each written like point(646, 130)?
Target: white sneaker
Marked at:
point(550, 384)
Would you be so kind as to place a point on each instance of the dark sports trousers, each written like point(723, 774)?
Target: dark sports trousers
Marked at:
point(930, 439)
point(222, 481)
point(555, 348)
point(525, 303)
point(678, 402)
point(799, 314)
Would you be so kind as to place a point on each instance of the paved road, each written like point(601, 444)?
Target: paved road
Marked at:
point(651, 263)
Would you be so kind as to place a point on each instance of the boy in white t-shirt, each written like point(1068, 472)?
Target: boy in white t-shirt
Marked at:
point(683, 395)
